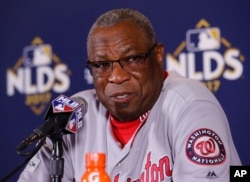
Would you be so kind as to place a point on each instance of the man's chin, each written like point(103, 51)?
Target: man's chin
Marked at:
point(123, 105)
point(125, 115)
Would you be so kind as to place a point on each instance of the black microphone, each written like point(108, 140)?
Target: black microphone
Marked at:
point(66, 117)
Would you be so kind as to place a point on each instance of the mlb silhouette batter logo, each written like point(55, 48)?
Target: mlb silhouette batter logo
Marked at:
point(37, 55)
point(71, 108)
point(60, 107)
point(64, 104)
point(203, 39)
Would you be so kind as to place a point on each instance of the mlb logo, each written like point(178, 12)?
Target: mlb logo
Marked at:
point(37, 55)
point(203, 39)
point(64, 104)
point(75, 121)
point(61, 107)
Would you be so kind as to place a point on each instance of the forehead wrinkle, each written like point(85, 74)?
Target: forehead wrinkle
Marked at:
point(125, 50)
point(114, 53)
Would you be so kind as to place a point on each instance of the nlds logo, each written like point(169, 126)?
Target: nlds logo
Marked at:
point(209, 57)
point(38, 72)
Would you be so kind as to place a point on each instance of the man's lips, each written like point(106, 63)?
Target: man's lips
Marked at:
point(121, 97)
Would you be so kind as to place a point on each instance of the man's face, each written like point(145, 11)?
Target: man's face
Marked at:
point(126, 94)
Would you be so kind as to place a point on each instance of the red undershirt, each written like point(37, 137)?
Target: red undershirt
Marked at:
point(123, 131)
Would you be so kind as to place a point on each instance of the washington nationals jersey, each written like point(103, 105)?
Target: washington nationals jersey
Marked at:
point(186, 137)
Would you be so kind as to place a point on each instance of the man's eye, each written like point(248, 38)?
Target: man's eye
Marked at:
point(101, 64)
point(134, 59)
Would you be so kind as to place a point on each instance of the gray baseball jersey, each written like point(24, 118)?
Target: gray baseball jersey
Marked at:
point(185, 138)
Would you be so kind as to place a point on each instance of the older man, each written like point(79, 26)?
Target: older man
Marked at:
point(153, 125)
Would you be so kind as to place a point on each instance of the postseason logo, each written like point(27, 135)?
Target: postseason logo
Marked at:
point(207, 56)
point(38, 72)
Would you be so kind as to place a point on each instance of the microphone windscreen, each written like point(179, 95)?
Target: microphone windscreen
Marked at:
point(83, 102)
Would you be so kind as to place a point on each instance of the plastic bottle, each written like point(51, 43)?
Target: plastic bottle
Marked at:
point(95, 168)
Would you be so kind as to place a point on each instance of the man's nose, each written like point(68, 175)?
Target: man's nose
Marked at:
point(118, 74)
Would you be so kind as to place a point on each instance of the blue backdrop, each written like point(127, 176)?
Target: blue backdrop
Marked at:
point(42, 54)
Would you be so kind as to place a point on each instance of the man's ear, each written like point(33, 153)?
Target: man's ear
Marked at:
point(160, 53)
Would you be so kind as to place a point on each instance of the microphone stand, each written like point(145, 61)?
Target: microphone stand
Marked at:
point(57, 160)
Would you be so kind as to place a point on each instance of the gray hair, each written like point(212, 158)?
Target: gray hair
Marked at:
point(115, 16)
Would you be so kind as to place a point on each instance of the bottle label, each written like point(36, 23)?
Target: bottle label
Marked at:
point(94, 177)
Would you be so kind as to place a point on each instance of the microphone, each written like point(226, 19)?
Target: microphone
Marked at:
point(65, 114)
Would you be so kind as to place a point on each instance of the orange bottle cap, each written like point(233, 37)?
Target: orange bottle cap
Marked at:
point(95, 159)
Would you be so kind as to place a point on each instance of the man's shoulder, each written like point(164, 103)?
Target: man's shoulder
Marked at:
point(186, 88)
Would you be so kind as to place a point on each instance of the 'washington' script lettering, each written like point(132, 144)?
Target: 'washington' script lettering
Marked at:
point(152, 172)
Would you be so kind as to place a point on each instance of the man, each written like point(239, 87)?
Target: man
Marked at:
point(152, 124)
